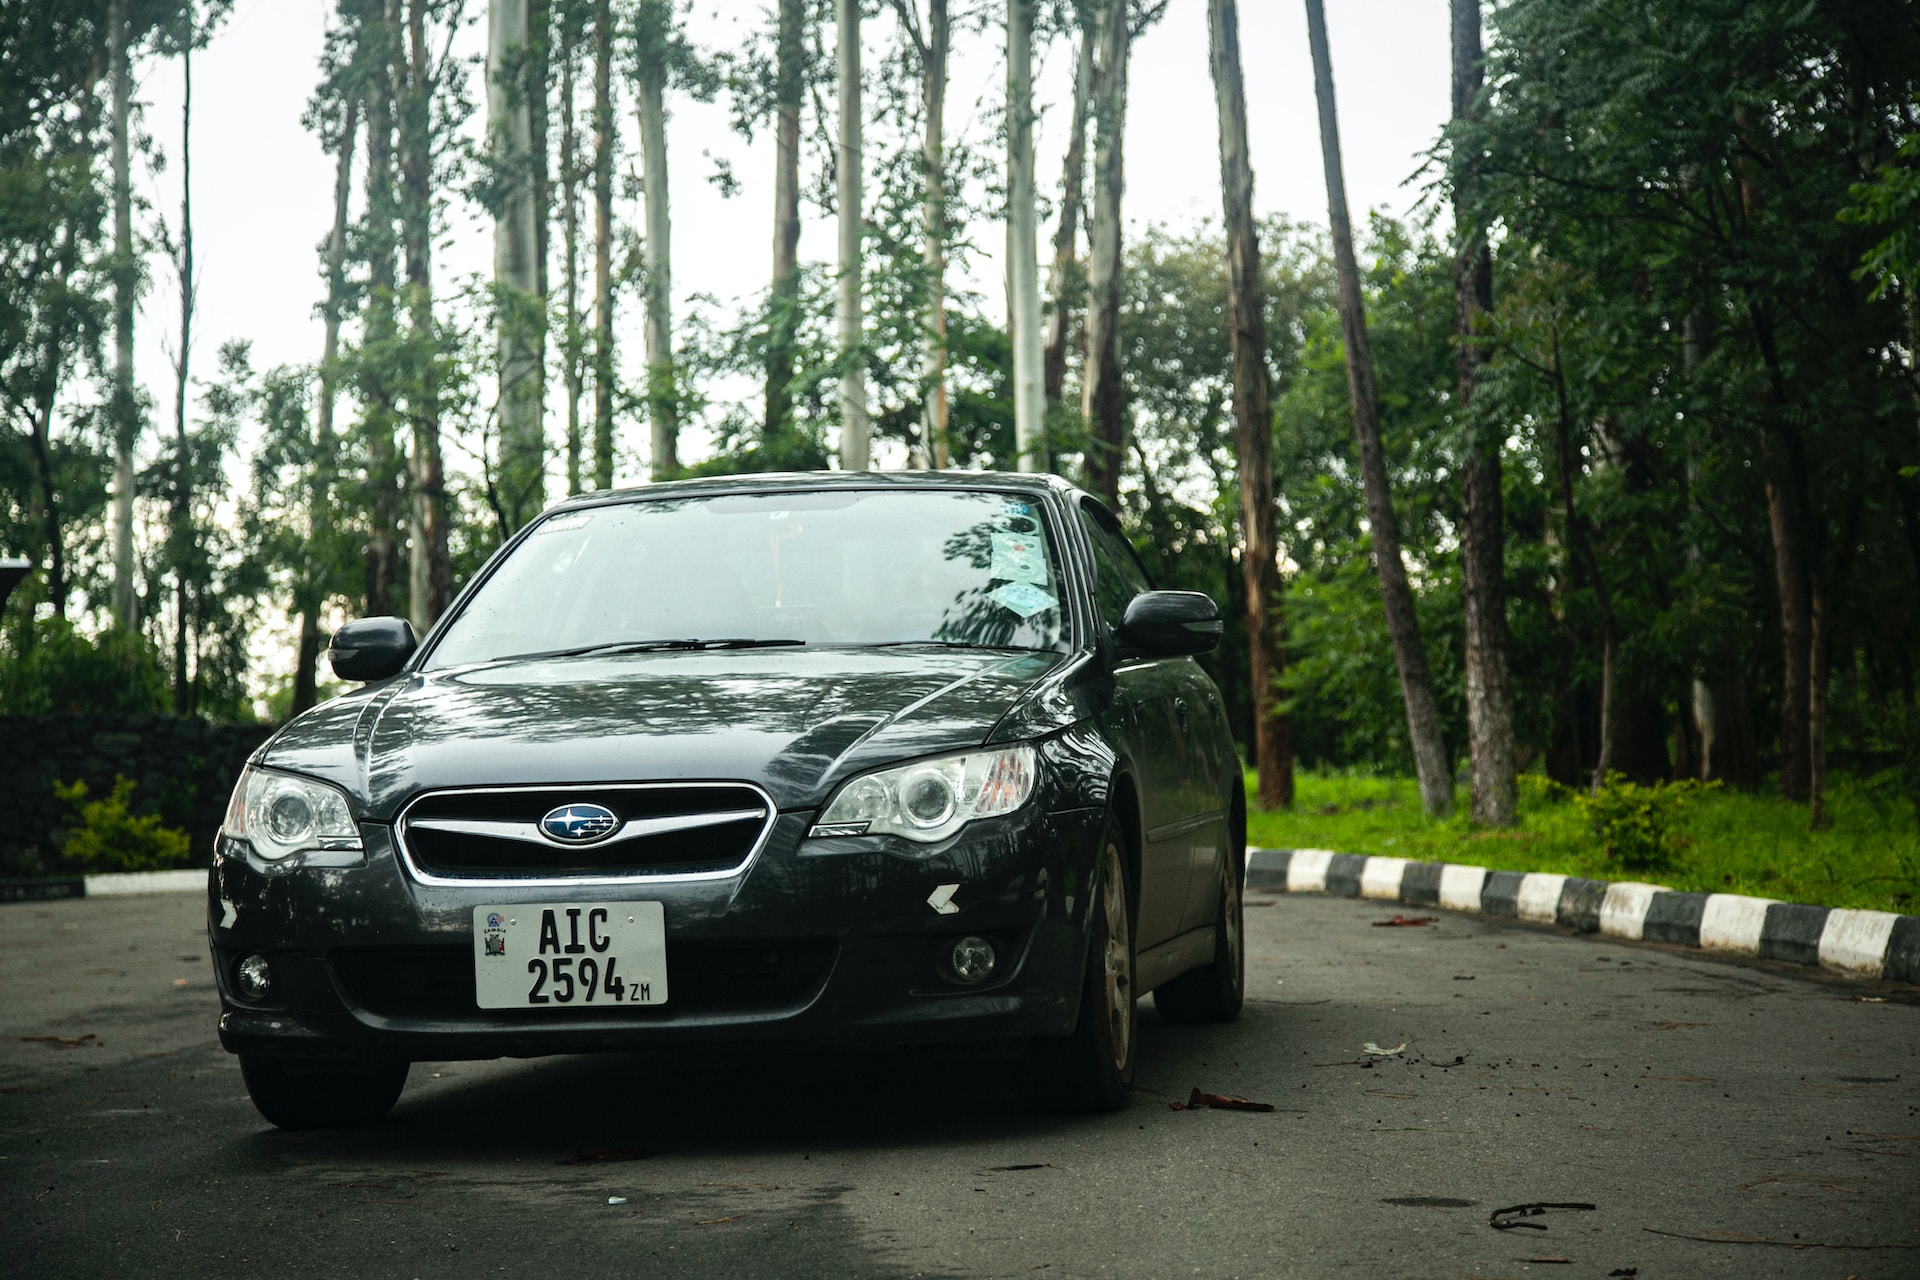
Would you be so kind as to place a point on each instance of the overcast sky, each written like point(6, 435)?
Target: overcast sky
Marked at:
point(263, 188)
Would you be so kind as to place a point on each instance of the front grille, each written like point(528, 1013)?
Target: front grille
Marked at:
point(494, 835)
point(704, 975)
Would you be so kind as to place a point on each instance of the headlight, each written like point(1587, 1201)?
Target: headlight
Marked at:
point(281, 815)
point(929, 800)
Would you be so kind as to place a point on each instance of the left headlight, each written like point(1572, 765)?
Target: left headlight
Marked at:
point(281, 815)
point(931, 799)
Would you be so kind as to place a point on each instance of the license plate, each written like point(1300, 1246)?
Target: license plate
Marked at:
point(560, 955)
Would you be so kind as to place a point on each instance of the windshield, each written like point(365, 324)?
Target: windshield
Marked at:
point(821, 567)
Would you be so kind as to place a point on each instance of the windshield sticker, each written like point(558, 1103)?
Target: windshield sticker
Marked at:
point(565, 523)
point(777, 515)
point(1016, 508)
point(1018, 557)
point(1021, 598)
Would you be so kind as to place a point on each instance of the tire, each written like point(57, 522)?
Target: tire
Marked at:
point(1214, 992)
point(322, 1095)
point(1092, 1069)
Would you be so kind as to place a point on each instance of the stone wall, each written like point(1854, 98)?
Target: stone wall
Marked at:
point(183, 768)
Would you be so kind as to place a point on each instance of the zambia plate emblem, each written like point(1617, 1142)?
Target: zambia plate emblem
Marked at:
point(579, 823)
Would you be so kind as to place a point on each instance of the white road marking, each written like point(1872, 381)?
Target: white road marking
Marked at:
point(1539, 897)
point(1460, 887)
point(1307, 870)
point(1380, 878)
point(1856, 941)
point(1732, 922)
point(1623, 914)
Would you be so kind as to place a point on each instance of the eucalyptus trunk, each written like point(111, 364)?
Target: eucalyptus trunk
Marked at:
point(429, 567)
point(1023, 263)
point(1102, 400)
point(522, 482)
point(180, 510)
point(602, 245)
point(570, 251)
point(1416, 680)
point(1494, 796)
point(663, 400)
point(789, 87)
point(1252, 417)
point(314, 590)
point(123, 406)
point(933, 164)
point(1060, 279)
point(856, 432)
point(381, 328)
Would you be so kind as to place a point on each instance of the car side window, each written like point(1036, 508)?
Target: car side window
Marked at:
point(1117, 575)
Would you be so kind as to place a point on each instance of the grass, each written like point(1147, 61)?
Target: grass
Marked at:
point(1723, 841)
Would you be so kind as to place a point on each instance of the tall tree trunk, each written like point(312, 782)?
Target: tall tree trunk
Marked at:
point(430, 570)
point(933, 163)
point(663, 396)
point(1253, 416)
point(1023, 263)
point(1066, 235)
point(123, 406)
point(602, 244)
point(1494, 797)
point(1787, 522)
point(317, 587)
point(856, 432)
point(570, 241)
point(180, 514)
point(1580, 541)
point(383, 467)
point(1102, 402)
point(1416, 681)
point(522, 484)
point(783, 300)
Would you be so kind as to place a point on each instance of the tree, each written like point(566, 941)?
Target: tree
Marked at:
point(1023, 267)
point(603, 141)
point(1483, 533)
point(1065, 272)
point(573, 331)
point(375, 72)
point(654, 39)
point(1416, 680)
point(124, 406)
point(418, 73)
point(930, 44)
point(1101, 402)
point(856, 430)
point(1253, 417)
point(783, 300)
point(518, 301)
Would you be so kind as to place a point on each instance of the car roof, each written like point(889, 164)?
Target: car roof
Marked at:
point(789, 481)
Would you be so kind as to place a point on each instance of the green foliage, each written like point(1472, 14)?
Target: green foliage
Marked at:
point(106, 836)
point(61, 671)
point(1633, 822)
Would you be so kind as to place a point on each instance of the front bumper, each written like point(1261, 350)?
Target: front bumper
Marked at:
point(829, 941)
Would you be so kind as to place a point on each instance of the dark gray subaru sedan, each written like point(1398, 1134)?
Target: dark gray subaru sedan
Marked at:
point(837, 759)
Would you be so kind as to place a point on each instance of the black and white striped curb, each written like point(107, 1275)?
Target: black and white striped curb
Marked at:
point(1861, 944)
point(113, 884)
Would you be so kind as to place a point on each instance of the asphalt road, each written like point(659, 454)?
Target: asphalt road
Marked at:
point(1723, 1119)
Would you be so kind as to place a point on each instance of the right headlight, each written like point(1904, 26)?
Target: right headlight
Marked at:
point(281, 815)
point(929, 800)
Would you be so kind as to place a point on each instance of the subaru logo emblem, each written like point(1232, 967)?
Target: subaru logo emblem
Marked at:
point(579, 823)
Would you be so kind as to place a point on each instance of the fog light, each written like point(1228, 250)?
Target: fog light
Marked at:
point(254, 977)
point(970, 960)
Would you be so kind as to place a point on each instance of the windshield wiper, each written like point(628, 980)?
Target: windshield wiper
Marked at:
point(947, 644)
point(650, 646)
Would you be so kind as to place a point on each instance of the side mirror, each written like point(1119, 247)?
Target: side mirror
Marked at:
point(1166, 624)
point(372, 648)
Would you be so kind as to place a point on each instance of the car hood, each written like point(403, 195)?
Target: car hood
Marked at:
point(794, 721)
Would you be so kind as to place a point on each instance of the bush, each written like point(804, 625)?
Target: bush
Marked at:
point(58, 671)
point(1633, 822)
point(107, 837)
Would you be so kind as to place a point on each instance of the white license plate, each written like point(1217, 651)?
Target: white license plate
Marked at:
point(563, 955)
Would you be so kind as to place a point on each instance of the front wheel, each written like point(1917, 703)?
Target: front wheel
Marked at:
point(1092, 1069)
point(296, 1094)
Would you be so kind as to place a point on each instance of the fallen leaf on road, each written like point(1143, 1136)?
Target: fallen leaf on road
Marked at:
point(708, 1222)
point(89, 1041)
point(1197, 1100)
point(1378, 1052)
point(1404, 922)
point(1515, 1212)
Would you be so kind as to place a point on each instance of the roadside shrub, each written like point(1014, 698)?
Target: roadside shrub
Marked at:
point(1634, 823)
point(58, 671)
point(106, 836)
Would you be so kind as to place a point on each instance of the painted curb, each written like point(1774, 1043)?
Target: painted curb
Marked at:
point(118, 884)
point(1859, 944)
